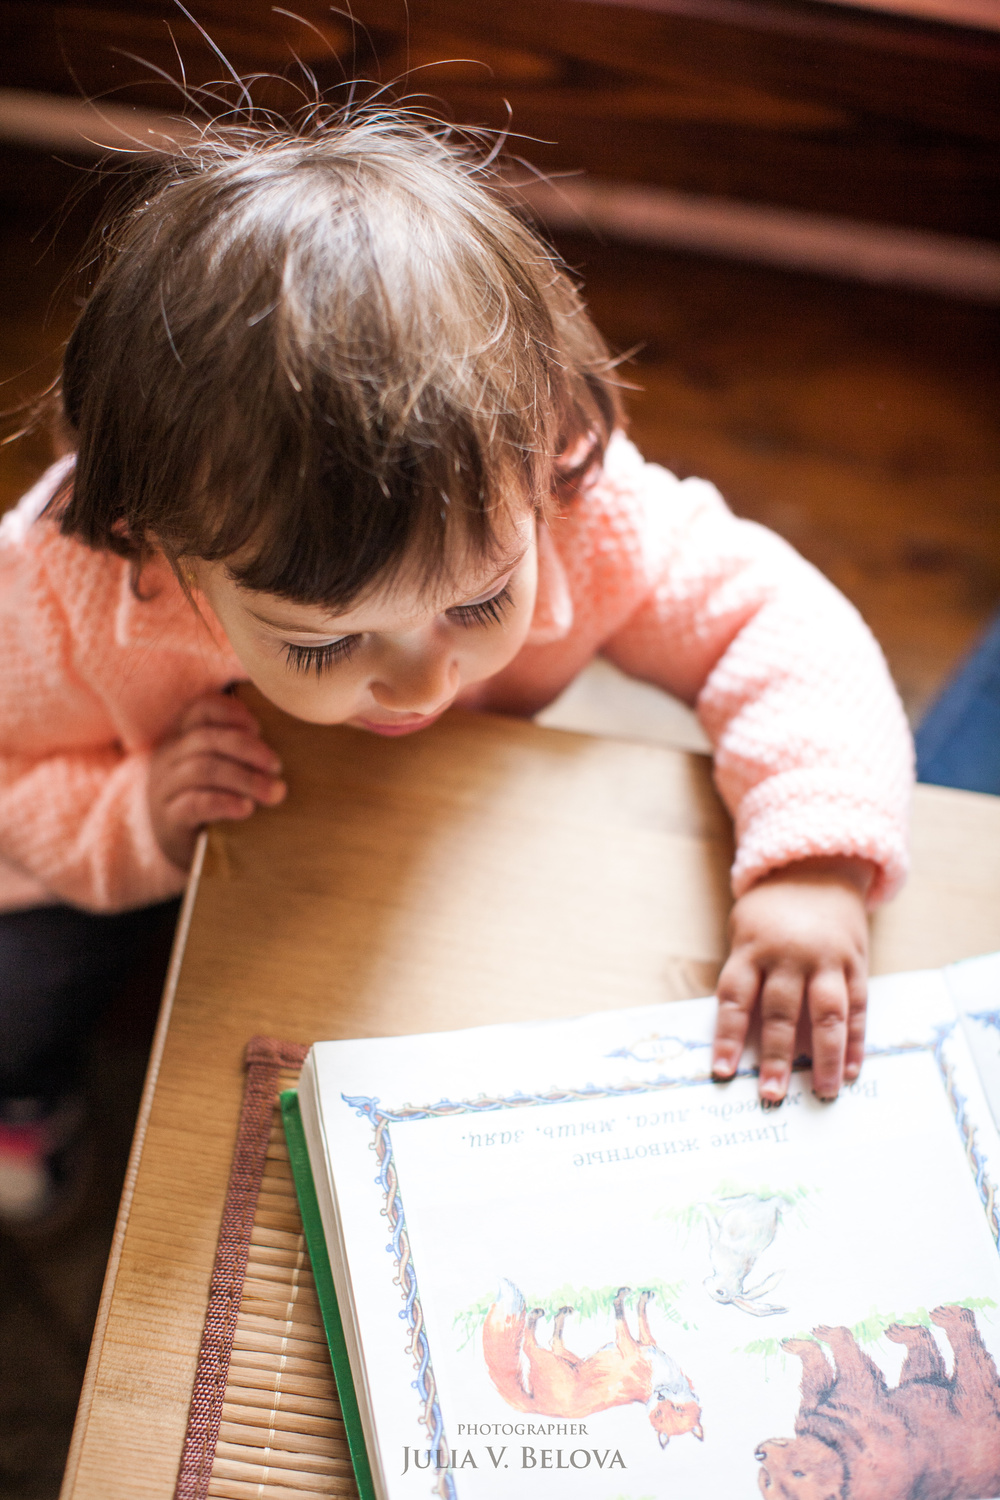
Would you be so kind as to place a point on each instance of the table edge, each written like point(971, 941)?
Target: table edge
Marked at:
point(132, 1171)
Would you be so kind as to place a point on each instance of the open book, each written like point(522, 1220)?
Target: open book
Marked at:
point(568, 1264)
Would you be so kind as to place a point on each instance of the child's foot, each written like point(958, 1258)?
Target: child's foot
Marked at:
point(40, 1159)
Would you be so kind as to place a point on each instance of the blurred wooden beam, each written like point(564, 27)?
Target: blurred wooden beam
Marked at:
point(82, 127)
point(881, 254)
point(985, 13)
point(615, 210)
point(847, 110)
point(882, 23)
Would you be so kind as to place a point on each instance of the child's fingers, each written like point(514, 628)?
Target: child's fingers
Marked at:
point(232, 743)
point(200, 805)
point(828, 1011)
point(780, 1003)
point(219, 773)
point(857, 1014)
point(218, 708)
point(737, 991)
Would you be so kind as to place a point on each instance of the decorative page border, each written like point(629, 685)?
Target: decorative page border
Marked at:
point(985, 1017)
point(399, 1246)
point(966, 1129)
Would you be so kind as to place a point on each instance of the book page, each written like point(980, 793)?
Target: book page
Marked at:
point(580, 1268)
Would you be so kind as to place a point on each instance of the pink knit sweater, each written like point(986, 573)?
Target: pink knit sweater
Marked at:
point(812, 753)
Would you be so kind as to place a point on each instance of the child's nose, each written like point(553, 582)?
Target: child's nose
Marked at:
point(418, 683)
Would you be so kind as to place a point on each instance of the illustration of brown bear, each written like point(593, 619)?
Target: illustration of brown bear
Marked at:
point(931, 1437)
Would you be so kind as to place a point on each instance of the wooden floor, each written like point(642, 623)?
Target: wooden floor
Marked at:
point(861, 424)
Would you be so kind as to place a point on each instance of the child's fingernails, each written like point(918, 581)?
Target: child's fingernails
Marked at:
point(825, 1098)
point(723, 1067)
point(851, 1072)
point(773, 1086)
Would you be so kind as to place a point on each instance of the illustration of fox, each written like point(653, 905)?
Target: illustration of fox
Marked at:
point(557, 1383)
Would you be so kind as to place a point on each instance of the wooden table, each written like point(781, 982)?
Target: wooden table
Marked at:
point(485, 869)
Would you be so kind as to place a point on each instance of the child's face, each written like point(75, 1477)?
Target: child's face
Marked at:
point(393, 662)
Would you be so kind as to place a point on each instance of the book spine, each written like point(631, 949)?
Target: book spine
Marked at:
point(316, 1243)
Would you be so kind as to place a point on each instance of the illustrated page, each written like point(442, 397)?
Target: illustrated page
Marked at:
point(582, 1269)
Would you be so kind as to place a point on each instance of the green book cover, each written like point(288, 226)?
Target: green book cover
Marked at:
point(316, 1242)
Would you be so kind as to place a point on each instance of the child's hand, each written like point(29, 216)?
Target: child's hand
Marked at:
point(216, 766)
point(799, 935)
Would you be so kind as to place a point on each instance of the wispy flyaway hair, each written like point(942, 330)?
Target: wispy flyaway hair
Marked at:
point(314, 353)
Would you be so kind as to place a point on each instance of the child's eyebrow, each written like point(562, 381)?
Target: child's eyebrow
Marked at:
point(291, 627)
point(504, 568)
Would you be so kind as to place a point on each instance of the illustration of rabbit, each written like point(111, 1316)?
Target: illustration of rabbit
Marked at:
point(739, 1231)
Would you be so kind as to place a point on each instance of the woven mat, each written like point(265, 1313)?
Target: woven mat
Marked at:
point(264, 1422)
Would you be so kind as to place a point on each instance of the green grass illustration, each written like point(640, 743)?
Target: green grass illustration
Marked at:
point(870, 1331)
point(692, 1215)
point(586, 1302)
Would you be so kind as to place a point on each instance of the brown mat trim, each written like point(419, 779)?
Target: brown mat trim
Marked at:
point(264, 1059)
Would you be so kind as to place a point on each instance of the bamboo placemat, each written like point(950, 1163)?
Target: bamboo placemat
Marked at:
point(264, 1422)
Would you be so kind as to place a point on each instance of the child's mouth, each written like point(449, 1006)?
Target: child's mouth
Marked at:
point(397, 726)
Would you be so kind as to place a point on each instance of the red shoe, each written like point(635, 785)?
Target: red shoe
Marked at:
point(39, 1158)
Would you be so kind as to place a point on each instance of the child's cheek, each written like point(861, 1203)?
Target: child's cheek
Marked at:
point(497, 648)
point(328, 699)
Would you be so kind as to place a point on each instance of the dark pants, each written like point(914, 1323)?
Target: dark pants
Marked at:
point(958, 743)
point(59, 967)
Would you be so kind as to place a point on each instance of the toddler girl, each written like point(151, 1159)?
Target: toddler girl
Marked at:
point(342, 427)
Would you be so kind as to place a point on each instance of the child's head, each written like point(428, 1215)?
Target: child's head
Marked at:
point(325, 371)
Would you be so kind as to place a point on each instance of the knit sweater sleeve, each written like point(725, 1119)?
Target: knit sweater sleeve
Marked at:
point(74, 811)
point(79, 822)
point(812, 751)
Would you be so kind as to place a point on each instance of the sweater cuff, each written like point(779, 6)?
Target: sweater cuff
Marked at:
point(806, 814)
point(129, 869)
point(153, 873)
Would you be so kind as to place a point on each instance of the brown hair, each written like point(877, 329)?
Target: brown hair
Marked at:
point(310, 351)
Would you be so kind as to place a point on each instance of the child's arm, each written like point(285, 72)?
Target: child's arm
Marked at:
point(106, 830)
point(812, 755)
point(77, 821)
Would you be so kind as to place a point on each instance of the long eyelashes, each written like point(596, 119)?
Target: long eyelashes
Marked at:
point(488, 612)
point(320, 659)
